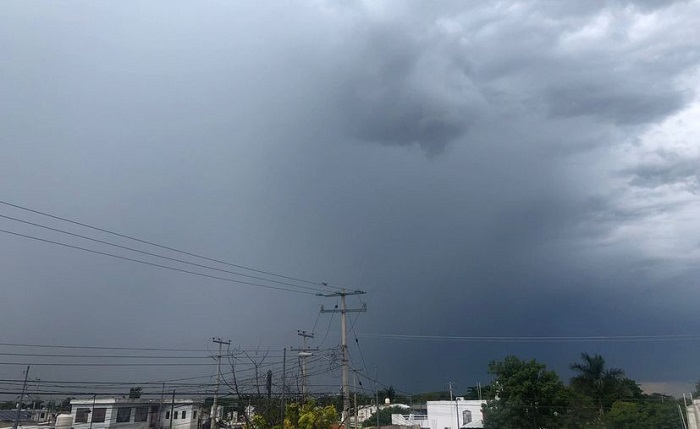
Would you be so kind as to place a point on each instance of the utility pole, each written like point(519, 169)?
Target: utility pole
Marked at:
point(354, 391)
point(376, 395)
point(344, 339)
point(160, 407)
point(92, 411)
point(172, 409)
point(304, 352)
point(284, 384)
point(21, 398)
point(214, 405)
point(456, 406)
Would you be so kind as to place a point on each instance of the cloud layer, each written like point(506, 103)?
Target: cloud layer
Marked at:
point(518, 168)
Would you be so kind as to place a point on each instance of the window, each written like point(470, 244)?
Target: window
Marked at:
point(167, 415)
point(141, 414)
point(184, 413)
point(98, 415)
point(175, 414)
point(81, 415)
point(123, 415)
point(194, 414)
point(42, 415)
point(466, 417)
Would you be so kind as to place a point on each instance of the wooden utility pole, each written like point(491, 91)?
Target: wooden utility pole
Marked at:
point(344, 340)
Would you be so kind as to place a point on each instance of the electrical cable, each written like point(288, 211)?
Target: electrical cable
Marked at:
point(85, 225)
point(154, 264)
point(540, 339)
point(182, 261)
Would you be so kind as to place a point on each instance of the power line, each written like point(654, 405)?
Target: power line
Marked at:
point(182, 261)
point(101, 356)
point(125, 258)
point(103, 364)
point(53, 346)
point(534, 339)
point(165, 247)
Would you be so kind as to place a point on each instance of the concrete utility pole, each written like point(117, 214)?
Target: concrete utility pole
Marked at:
point(376, 395)
point(344, 340)
point(92, 412)
point(218, 380)
point(284, 384)
point(160, 406)
point(172, 409)
point(21, 398)
point(304, 352)
point(456, 406)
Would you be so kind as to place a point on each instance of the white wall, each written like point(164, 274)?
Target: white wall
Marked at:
point(112, 406)
point(691, 412)
point(443, 414)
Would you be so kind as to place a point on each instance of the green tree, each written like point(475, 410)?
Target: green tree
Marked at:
point(135, 392)
point(651, 412)
point(603, 385)
point(65, 404)
point(384, 416)
point(487, 392)
point(697, 390)
point(389, 393)
point(309, 416)
point(431, 396)
point(527, 396)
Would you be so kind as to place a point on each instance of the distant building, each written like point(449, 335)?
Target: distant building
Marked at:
point(114, 413)
point(7, 417)
point(456, 414)
point(366, 411)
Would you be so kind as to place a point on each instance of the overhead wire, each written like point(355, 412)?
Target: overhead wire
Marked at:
point(62, 346)
point(538, 339)
point(85, 225)
point(168, 258)
point(155, 264)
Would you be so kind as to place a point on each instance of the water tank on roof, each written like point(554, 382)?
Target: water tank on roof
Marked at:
point(64, 421)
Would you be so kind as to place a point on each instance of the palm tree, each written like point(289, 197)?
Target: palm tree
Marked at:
point(597, 382)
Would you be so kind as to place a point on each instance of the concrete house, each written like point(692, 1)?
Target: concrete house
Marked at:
point(457, 414)
point(115, 413)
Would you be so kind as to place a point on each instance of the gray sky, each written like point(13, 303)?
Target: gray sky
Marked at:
point(480, 169)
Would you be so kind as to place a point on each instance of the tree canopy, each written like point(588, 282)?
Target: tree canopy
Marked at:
point(603, 385)
point(309, 416)
point(384, 416)
point(527, 396)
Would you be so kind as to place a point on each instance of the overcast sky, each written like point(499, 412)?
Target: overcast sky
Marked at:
point(511, 169)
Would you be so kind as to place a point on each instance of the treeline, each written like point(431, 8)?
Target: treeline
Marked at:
point(525, 395)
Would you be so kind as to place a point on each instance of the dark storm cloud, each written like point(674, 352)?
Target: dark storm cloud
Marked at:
point(408, 89)
point(635, 105)
point(668, 168)
point(425, 80)
point(232, 130)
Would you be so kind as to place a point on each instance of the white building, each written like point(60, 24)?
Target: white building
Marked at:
point(456, 414)
point(693, 414)
point(113, 413)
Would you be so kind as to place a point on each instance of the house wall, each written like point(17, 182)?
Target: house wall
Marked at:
point(170, 417)
point(693, 415)
point(443, 414)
